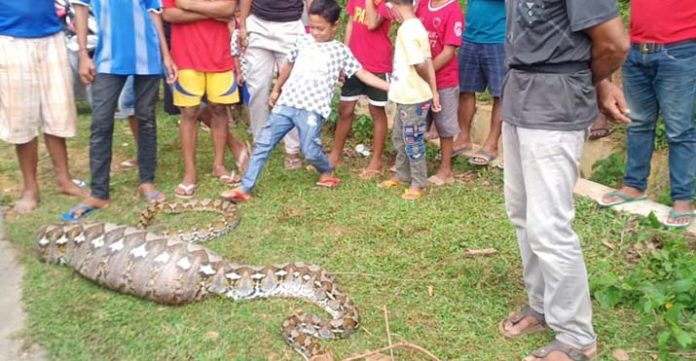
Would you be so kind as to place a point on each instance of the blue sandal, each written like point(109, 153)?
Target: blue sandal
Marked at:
point(77, 213)
point(623, 199)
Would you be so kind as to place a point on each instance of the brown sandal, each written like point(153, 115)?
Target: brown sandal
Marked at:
point(517, 317)
point(573, 353)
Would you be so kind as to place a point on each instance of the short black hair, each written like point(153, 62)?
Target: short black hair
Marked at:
point(327, 9)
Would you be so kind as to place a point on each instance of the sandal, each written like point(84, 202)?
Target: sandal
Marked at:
point(622, 199)
point(598, 133)
point(235, 195)
point(411, 194)
point(437, 181)
point(78, 212)
point(482, 158)
point(573, 353)
point(389, 183)
point(676, 215)
point(517, 317)
point(155, 197)
point(231, 178)
point(370, 174)
point(185, 191)
point(331, 182)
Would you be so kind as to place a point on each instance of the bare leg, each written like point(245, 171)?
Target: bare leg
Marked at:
point(467, 109)
point(59, 157)
point(491, 143)
point(445, 170)
point(219, 132)
point(188, 132)
point(379, 120)
point(345, 122)
point(28, 156)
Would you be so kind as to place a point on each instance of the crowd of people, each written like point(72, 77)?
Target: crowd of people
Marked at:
point(545, 63)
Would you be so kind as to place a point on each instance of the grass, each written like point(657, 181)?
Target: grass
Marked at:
point(407, 257)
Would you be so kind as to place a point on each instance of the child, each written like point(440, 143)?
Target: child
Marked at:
point(442, 20)
point(367, 36)
point(412, 89)
point(312, 69)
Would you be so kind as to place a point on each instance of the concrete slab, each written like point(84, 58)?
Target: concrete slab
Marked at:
point(12, 346)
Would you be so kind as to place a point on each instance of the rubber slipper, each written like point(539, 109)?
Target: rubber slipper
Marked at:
point(389, 183)
point(573, 353)
point(437, 181)
point(155, 197)
point(411, 195)
point(676, 215)
point(598, 133)
point(235, 195)
point(329, 182)
point(79, 182)
point(462, 150)
point(516, 317)
point(78, 212)
point(623, 199)
point(230, 178)
point(185, 191)
point(482, 158)
point(370, 174)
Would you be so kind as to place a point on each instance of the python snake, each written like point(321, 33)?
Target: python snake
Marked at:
point(168, 270)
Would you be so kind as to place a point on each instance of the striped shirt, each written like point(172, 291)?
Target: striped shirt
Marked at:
point(128, 41)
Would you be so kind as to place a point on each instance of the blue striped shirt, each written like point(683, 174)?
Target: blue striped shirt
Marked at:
point(128, 41)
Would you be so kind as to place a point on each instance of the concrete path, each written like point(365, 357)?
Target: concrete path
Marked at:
point(12, 317)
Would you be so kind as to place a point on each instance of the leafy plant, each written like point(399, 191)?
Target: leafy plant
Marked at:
point(662, 287)
point(609, 171)
point(362, 129)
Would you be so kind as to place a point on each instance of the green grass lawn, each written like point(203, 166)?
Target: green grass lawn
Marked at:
point(385, 252)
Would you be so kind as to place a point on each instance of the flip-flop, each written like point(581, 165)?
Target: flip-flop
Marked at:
point(437, 181)
point(600, 133)
point(79, 182)
point(623, 199)
point(573, 353)
point(675, 215)
point(389, 183)
point(516, 317)
point(332, 182)
point(482, 158)
point(185, 191)
point(155, 197)
point(411, 195)
point(462, 150)
point(235, 196)
point(230, 178)
point(370, 174)
point(78, 212)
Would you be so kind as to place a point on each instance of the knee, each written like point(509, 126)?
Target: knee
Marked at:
point(345, 112)
point(189, 113)
point(414, 139)
point(218, 111)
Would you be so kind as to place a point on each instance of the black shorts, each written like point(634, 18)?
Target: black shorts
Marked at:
point(353, 88)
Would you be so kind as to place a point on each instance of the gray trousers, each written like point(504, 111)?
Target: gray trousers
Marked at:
point(106, 89)
point(269, 44)
point(408, 137)
point(541, 169)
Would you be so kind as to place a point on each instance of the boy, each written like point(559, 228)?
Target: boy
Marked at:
point(201, 49)
point(122, 27)
point(442, 20)
point(311, 71)
point(367, 36)
point(412, 89)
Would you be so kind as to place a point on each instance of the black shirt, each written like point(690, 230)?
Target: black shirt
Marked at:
point(278, 10)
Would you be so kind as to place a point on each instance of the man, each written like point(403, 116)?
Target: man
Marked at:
point(659, 77)
point(36, 92)
point(267, 30)
point(481, 66)
point(201, 49)
point(131, 42)
point(558, 53)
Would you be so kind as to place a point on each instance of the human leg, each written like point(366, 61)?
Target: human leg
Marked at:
point(448, 127)
point(309, 126)
point(343, 127)
point(28, 157)
point(146, 88)
point(471, 80)
point(58, 151)
point(379, 135)
point(187, 94)
point(413, 129)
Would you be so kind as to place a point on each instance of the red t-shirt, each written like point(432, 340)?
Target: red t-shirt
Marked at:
point(444, 25)
point(202, 45)
point(664, 21)
point(373, 49)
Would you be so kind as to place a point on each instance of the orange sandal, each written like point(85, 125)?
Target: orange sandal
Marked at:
point(411, 195)
point(389, 183)
point(235, 195)
point(331, 182)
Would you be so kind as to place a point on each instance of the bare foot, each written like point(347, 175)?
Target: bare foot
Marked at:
point(26, 204)
point(528, 324)
point(682, 213)
point(375, 165)
point(221, 173)
point(335, 160)
point(445, 174)
point(150, 192)
point(625, 190)
point(71, 189)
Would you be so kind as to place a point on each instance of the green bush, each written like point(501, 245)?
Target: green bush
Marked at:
point(609, 171)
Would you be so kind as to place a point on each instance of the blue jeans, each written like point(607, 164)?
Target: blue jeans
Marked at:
point(662, 82)
point(281, 120)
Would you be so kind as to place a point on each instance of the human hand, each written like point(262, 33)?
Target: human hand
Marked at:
point(436, 107)
point(243, 40)
point(612, 102)
point(240, 78)
point(170, 69)
point(273, 97)
point(86, 69)
point(183, 4)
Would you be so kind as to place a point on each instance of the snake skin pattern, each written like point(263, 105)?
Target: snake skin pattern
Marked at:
point(219, 227)
point(167, 270)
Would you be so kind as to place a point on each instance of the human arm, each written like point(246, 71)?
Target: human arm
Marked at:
point(426, 70)
point(220, 9)
point(244, 11)
point(176, 16)
point(349, 32)
point(374, 20)
point(609, 48)
point(448, 52)
point(86, 67)
point(169, 67)
point(372, 80)
point(283, 76)
point(612, 102)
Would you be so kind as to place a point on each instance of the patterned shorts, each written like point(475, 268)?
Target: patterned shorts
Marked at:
point(35, 89)
point(191, 85)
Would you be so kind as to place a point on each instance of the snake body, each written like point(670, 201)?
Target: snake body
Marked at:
point(167, 270)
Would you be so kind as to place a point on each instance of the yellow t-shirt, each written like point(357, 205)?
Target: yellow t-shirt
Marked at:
point(411, 48)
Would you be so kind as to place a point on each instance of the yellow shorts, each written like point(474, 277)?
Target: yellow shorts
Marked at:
point(219, 88)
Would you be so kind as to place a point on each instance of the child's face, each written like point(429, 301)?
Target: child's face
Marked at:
point(322, 30)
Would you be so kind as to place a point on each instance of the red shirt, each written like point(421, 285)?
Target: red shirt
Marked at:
point(202, 45)
point(663, 21)
point(444, 25)
point(372, 48)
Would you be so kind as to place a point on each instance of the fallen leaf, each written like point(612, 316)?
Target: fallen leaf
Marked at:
point(431, 291)
point(608, 244)
point(620, 355)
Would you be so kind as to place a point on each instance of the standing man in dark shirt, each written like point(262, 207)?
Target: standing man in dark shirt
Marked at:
point(559, 54)
point(267, 29)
